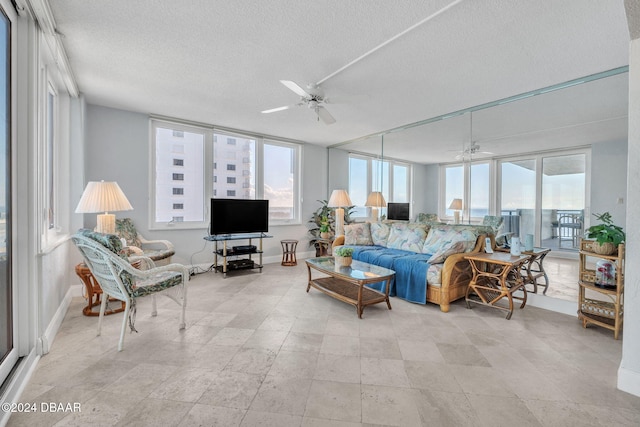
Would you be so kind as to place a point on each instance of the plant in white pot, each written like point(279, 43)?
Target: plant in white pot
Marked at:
point(607, 235)
point(343, 255)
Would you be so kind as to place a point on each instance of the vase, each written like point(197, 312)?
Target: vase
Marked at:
point(344, 261)
point(325, 234)
point(606, 248)
point(605, 274)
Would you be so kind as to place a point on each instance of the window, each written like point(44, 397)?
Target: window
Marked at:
point(178, 162)
point(367, 174)
point(51, 181)
point(177, 219)
point(477, 189)
point(178, 134)
point(269, 169)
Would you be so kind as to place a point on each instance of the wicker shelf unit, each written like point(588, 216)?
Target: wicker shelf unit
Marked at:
point(602, 306)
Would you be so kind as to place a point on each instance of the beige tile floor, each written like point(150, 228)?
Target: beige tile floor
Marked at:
point(259, 350)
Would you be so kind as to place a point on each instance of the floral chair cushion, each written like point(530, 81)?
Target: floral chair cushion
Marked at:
point(407, 237)
point(126, 230)
point(495, 222)
point(380, 233)
point(358, 234)
point(114, 244)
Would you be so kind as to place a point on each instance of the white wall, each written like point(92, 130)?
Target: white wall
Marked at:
point(629, 372)
point(609, 180)
point(118, 149)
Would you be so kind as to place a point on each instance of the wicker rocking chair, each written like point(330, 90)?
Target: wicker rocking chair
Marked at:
point(120, 280)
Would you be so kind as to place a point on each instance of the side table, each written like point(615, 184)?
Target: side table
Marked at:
point(496, 276)
point(533, 269)
point(94, 292)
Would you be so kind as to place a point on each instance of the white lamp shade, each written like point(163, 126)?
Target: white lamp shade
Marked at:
point(339, 199)
point(376, 200)
point(456, 204)
point(103, 197)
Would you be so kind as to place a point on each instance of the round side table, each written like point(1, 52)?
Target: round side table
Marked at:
point(94, 292)
point(289, 252)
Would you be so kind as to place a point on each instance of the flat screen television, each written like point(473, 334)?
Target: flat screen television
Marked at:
point(233, 216)
point(398, 211)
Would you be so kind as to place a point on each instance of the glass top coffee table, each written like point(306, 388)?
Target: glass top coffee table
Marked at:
point(347, 283)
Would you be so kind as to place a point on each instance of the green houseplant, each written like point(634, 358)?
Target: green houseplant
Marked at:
point(343, 255)
point(607, 235)
point(326, 216)
point(325, 232)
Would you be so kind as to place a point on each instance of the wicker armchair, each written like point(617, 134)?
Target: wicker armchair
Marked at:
point(120, 280)
point(160, 251)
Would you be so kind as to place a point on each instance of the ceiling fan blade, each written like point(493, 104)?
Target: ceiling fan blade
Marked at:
point(326, 117)
point(296, 88)
point(273, 110)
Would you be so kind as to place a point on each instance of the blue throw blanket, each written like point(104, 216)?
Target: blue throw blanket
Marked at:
point(410, 282)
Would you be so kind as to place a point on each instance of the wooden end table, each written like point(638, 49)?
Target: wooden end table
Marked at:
point(533, 269)
point(347, 283)
point(94, 292)
point(496, 276)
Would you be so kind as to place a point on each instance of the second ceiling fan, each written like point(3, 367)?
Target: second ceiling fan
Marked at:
point(312, 97)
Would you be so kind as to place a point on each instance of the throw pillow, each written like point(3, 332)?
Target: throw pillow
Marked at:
point(357, 234)
point(380, 233)
point(407, 237)
point(457, 247)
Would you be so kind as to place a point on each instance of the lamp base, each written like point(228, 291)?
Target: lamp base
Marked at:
point(106, 223)
point(339, 222)
point(374, 214)
point(456, 217)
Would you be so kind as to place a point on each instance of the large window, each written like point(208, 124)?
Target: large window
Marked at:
point(367, 174)
point(251, 168)
point(467, 182)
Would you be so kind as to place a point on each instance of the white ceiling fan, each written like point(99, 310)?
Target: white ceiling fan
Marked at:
point(312, 97)
point(471, 150)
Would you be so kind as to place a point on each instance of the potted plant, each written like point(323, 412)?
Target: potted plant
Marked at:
point(343, 255)
point(325, 232)
point(607, 235)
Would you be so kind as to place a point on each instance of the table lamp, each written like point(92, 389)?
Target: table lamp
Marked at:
point(339, 199)
point(375, 201)
point(456, 206)
point(103, 197)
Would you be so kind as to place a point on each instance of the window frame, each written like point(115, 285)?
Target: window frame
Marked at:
point(388, 185)
point(210, 162)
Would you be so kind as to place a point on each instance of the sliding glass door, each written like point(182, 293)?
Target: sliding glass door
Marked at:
point(8, 354)
point(545, 195)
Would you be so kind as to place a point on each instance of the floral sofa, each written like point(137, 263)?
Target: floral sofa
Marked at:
point(428, 259)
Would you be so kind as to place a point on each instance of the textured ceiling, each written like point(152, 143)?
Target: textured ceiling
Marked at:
point(220, 62)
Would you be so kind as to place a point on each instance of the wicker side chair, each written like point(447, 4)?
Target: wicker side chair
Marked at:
point(120, 280)
point(160, 251)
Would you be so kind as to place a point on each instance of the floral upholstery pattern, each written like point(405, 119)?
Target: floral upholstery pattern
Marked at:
point(114, 244)
point(126, 230)
point(495, 222)
point(159, 282)
point(434, 274)
point(407, 237)
point(380, 233)
point(358, 234)
point(456, 247)
point(440, 237)
point(428, 218)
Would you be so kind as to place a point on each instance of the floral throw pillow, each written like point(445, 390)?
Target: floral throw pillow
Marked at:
point(379, 233)
point(407, 237)
point(357, 234)
point(458, 247)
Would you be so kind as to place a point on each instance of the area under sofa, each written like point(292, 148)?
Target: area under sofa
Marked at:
point(428, 259)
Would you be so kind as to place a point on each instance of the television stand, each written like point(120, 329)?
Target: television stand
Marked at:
point(244, 251)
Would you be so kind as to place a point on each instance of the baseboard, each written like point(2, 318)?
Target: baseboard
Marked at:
point(45, 341)
point(553, 304)
point(629, 381)
point(18, 382)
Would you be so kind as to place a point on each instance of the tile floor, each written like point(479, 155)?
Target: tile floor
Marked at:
point(259, 350)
